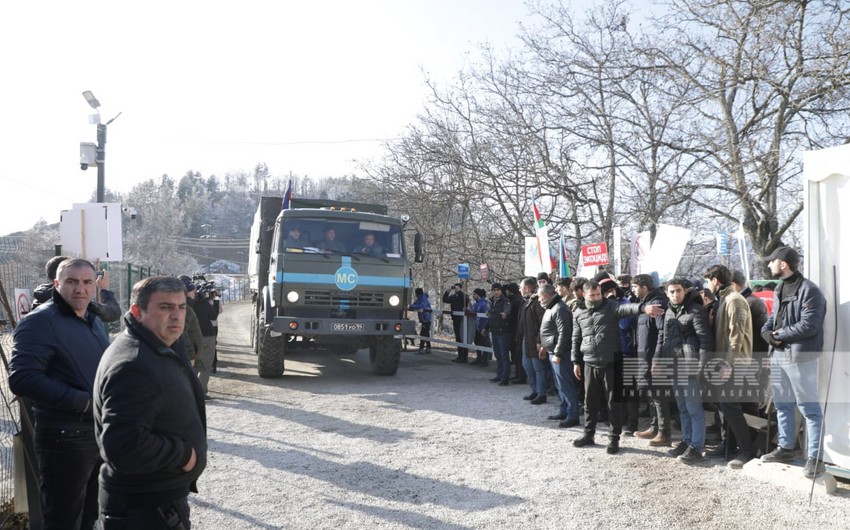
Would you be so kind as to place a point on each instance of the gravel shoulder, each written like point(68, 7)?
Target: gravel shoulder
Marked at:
point(438, 446)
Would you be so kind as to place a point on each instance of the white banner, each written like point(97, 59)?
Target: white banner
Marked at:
point(666, 252)
point(23, 303)
point(532, 258)
point(640, 252)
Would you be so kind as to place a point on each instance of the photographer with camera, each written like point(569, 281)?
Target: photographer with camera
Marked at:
point(204, 300)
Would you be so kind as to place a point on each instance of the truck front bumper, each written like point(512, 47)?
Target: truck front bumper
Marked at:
point(332, 326)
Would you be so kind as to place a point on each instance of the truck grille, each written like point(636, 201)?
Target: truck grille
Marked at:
point(335, 298)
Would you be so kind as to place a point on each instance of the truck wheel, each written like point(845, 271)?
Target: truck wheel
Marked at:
point(384, 355)
point(270, 355)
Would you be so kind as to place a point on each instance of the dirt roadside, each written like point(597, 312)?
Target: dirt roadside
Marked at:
point(438, 446)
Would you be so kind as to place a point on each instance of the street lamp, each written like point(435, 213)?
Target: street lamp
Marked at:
point(101, 146)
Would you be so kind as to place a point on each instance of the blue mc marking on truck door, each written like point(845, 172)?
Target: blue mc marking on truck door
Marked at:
point(345, 277)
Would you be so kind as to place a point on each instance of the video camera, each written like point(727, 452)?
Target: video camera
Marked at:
point(205, 289)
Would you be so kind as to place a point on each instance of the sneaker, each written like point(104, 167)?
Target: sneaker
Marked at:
point(814, 468)
point(629, 431)
point(530, 397)
point(558, 417)
point(716, 451)
point(780, 454)
point(647, 434)
point(691, 456)
point(739, 460)
point(585, 440)
point(539, 400)
point(678, 450)
point(613, 446)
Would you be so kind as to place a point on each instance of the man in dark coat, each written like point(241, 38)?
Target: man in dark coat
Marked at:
point(149, 415)
point(458, 302)
point(54, 359)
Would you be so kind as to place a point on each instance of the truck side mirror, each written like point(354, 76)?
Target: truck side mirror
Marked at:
point(418, 248)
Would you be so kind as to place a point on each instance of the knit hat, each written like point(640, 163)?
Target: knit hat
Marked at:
point(544, 276)
point(480, 292)
point(187, 283)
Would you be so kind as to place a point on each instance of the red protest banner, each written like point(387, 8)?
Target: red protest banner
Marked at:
point(596, 254)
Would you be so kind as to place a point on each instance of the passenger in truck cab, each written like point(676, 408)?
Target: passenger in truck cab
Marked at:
point(330, 242)
point(370, 246)
point(293, 240)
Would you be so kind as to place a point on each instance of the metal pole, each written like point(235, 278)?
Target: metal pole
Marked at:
point(101, 161)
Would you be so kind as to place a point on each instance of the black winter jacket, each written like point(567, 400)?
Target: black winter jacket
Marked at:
point(149, 413)
point(207, 313)
point(54, 361)
point(686, 333)
point(495, 323)
point(648, 329)
point(556, 328)
point(530, 320)
point(798, 317)
point(596, 332)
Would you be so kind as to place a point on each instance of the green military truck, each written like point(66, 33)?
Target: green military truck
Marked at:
point(328, 275)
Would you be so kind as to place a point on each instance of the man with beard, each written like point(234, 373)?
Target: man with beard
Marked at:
point(794, 333)
point(498, 326)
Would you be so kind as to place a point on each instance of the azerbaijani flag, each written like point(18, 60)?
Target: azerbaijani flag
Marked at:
point(564, 270)
point(287, 197)
point(546, 261)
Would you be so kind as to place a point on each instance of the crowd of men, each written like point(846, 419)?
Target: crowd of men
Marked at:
point(606, 346)
point(120, 427)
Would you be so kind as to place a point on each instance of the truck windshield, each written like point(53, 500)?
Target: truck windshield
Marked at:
point(342, 237)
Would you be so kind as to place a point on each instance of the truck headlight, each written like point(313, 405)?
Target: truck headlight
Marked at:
point(292, 296)
point(394, 300)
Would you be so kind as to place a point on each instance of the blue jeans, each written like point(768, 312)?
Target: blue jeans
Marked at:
point(567, 385)
point(796, 384)
point(537, 371)
point(691, 413)
point(501, 345)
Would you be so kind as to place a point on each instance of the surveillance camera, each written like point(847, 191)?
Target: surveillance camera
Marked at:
point(84, 166)
point(129, 210)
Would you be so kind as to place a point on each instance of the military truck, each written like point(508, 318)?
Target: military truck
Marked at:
point(329, 275)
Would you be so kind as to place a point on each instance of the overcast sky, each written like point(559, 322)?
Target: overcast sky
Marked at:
point(218, 87)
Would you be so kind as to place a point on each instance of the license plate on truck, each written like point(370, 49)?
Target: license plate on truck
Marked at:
point(348, 327)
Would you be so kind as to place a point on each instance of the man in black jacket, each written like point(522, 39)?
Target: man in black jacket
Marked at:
point(458, 301)
point(57, 349)
point(648, 328)
point(149, 415)
point(106, 306)
point(596, 354)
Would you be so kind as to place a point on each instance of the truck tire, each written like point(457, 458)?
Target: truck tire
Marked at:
point(270, 357)
point(384, 355)
point(255, 339)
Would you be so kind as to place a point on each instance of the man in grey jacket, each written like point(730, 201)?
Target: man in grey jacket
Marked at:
point(794, 333)
point(556, 329)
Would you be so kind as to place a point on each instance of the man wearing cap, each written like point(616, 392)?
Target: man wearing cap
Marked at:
point(794, 333)
point(192, 332)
